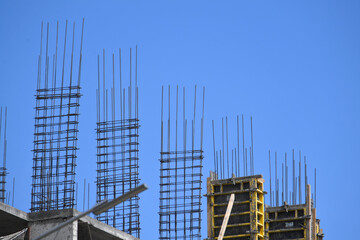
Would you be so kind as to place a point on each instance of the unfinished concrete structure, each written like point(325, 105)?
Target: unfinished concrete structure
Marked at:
point(22, 225)
point(246, 217)
point(250, 219)
point(293, 221)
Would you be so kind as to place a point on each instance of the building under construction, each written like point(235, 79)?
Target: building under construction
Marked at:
point(236, 207)
point(236, 210)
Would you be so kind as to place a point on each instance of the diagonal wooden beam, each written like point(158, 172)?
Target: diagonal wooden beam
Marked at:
point(226, 217)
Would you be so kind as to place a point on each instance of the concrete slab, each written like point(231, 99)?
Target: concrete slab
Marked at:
point(86, 227)
point(12, 220)
point(102, 231)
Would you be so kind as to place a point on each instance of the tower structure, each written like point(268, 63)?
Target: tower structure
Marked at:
point(118, 144)
point(181, 158)
point(56, 123)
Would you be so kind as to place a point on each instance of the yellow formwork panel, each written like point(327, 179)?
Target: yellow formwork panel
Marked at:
point(293, 223)
point(248, 214)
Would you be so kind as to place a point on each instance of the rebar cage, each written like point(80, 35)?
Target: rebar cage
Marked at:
point(118, 172)
point(180, 194)
point(118, 148)
point(56, 129)
point(180, 175)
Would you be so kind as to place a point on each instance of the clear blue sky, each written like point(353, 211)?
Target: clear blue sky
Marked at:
point(293, 65)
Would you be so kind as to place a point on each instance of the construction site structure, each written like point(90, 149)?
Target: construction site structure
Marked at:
point(246, 219)
point(118, 143)
point(293, 221)
point(19, 225)
point(56, 125)
point(180, 173)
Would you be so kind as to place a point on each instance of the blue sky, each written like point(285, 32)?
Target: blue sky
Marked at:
point(292, 65)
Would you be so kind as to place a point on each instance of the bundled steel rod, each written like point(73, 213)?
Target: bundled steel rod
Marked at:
point(118, 146)
point(56, 127)
point(180, 174)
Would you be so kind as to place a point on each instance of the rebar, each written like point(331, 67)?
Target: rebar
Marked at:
point(3, 169)
point(118, 147)
point(180, 176)
point(232, 165)
point(56, 129)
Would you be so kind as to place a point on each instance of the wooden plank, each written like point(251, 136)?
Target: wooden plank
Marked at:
point(226, 217)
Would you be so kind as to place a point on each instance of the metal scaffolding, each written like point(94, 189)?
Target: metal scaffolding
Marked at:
point(118, 147)
point(3, 170)
point(56, 128)
point(180, 177)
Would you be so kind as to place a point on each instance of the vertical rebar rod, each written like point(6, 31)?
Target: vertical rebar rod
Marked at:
point(238, 145)
point(213, 131)
point(202, 123)
point(113, 116)
point(88, 196)
point(168, 167)
point(243, 140)
point(276, 188)
point(217, 165)
point(5, 149)
point(300, 178)
point(162, 150)
point(271, 204)
point(221, 166)
point(306, 179)
point(84, 194)
point(201, 164)
point(315, 187)
point(184, 146)
point(227, 146)
point(68, 123)
point(232, 162)
point(246, 162)
point(252, 147)
point(176, 154)
point(294, 184)
point(282, 183)
point(286, 179)
point(236, 167)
